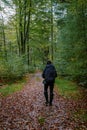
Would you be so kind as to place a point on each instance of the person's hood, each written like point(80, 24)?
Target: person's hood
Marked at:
point(49, 65)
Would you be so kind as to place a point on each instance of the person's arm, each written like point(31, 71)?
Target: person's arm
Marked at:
point(55, 72)
point(43, 74)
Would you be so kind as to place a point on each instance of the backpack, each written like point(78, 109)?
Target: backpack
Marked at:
point(50, 74)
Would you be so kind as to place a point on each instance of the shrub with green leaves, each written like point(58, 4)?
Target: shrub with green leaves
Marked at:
point(14, 67)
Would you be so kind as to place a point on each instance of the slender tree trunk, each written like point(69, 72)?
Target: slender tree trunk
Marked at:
point(18, 41)
point(21, 26)
point(28, 58)
point(28, 34)
point(4, 39)
point(25, 22)
point(52, 30)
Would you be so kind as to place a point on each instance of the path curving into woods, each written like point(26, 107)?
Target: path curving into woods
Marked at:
point(25, 110)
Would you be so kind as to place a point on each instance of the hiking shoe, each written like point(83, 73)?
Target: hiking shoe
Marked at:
point(50, 104)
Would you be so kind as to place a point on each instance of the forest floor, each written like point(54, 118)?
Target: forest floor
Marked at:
point(26, 110)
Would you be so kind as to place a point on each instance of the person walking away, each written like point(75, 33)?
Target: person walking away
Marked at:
point(49, 74)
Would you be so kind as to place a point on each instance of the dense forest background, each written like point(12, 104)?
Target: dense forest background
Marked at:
point(33, 31)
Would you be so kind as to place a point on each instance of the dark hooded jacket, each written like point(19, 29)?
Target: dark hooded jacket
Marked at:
point(49, 73)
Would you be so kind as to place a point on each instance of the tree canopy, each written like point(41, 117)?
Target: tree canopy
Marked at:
point(36, 31)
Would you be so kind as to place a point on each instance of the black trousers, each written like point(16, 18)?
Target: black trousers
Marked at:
point(51, 86)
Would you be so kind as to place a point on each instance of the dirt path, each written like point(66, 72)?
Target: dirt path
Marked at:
point(25, 110)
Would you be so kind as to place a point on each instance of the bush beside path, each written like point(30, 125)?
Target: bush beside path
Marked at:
point(26, 110)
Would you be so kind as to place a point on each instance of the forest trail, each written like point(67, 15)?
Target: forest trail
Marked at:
point(25, 110)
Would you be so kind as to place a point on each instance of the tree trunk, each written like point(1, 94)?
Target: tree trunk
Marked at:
point(52, 30)
point(27, 35)
point(4, 39)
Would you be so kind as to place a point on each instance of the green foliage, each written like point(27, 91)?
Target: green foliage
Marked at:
point(72, 41)
point(81, 114)
point(67, 88)
point(14, 67)
point(31, 69)
point(11, 88)
point(38, 27)
point(41, 120)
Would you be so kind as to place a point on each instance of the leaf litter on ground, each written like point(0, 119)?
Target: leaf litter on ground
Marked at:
point(26, 110)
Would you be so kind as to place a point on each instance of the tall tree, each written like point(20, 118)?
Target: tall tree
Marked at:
point(4, 38)
point(52, 48)
point(72, 41)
